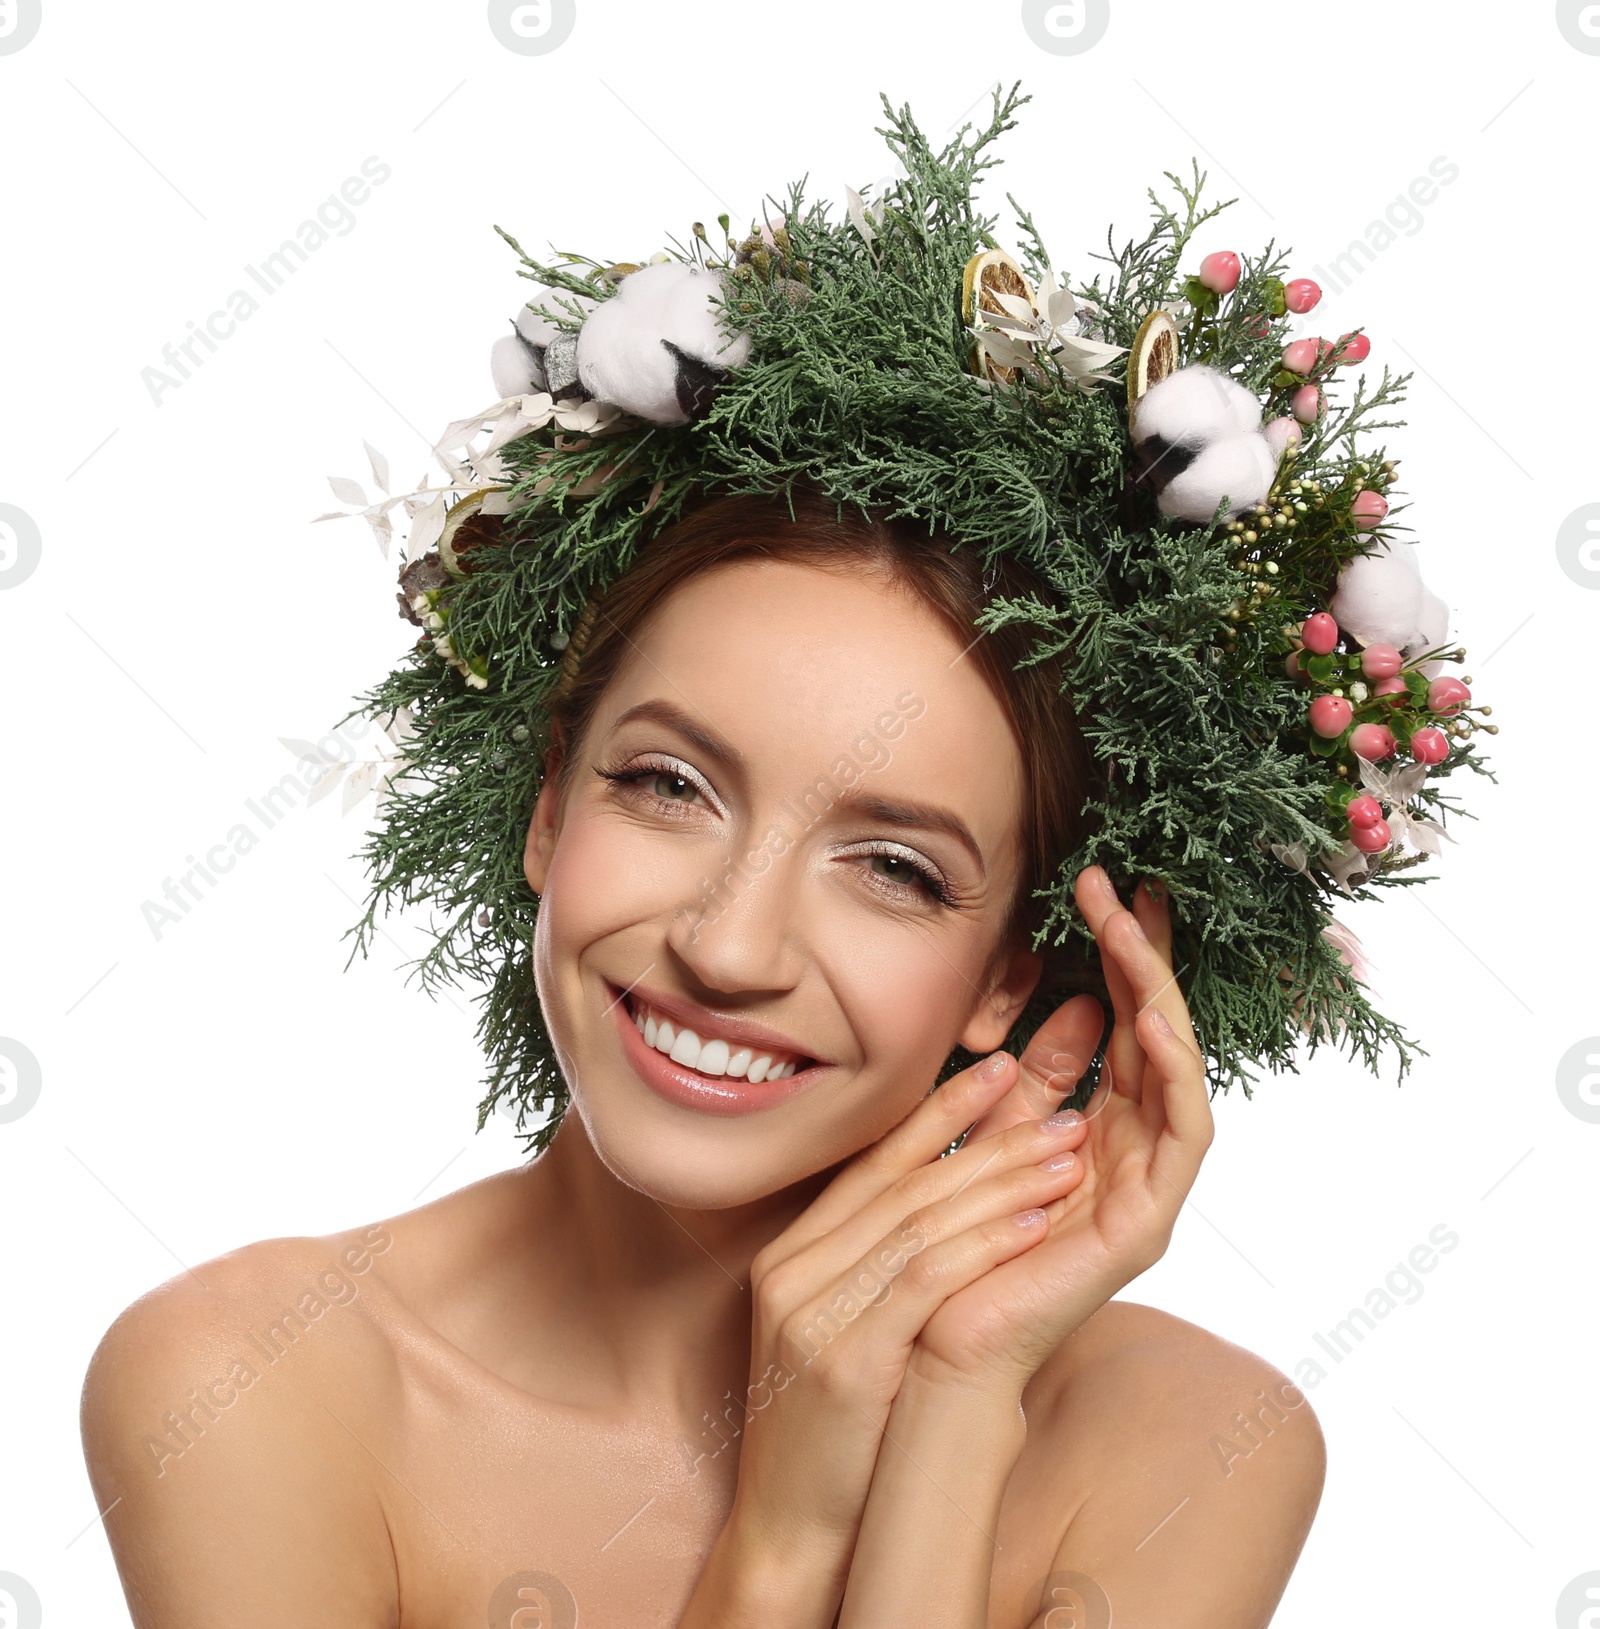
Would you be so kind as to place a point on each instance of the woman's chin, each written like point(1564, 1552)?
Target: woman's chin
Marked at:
point(689, 1171)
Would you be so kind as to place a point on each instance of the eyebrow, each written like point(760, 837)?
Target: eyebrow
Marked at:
point(890, 811)
point(689, 727)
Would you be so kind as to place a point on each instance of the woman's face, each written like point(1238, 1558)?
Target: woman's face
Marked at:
point(818, 834)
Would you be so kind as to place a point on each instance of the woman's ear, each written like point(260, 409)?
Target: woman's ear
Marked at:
point(545, 824)
point(1016, 981)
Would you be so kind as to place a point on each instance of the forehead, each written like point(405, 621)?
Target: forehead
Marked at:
point(794, 665)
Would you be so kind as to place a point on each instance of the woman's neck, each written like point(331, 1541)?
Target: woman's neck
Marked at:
point(657, 1297)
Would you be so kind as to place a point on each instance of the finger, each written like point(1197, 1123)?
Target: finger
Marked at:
point(1152, 912)
point(1152, 906)
point(1145, 970)
point(1051, 1066)
point(1107, 916)
point(940, 1182)
point(925, 1259)
point(1189, 1125)
point(922, 1136)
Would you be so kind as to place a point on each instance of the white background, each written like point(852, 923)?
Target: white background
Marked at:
point(230, 1080)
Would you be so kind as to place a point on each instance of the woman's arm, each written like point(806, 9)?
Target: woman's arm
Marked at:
point(839, 1300)
point(927, 1540)
point(1149, 1127)
point(1178, 1522)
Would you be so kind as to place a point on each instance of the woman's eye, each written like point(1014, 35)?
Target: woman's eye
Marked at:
point(905, 874)
point(897, 869)
point(673, 788)
point(658, 783)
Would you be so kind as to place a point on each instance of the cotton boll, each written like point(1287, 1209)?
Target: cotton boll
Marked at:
point(1238, 467)
point(1195, 404)
point(1201, 435)
point(1380, 597)
point(1432, 630)
point(539, 330)
point(516, 361)
point(516, 367)
point(655, 348)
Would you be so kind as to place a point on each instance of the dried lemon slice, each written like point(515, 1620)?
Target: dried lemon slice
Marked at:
point(989, 273)
point(1152, 356)
point(476, 519)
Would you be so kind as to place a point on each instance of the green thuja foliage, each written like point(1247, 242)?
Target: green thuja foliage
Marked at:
point(1172, 635)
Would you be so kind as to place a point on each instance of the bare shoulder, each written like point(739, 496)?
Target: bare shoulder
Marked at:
point(233, 1325)
point(1126, 1343)
point(1188, 1469)
point(223, 1418)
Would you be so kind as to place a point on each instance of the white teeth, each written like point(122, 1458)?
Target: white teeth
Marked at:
point(712, 1057)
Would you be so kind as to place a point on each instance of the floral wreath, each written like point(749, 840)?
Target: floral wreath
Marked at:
point(1252, 655)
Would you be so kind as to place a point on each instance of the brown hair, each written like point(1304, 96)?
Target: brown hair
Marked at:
point(950, 580)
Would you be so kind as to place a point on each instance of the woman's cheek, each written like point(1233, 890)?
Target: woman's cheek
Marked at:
point(907, 1004)
point(607, 874)
point(590, 889)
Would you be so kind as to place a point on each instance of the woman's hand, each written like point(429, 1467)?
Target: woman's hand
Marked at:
point(841, 1295)
point(1149, 1125)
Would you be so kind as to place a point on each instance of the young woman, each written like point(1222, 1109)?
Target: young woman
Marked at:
point(749, 1344)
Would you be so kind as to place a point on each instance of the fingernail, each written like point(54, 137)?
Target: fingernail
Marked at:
point(992, 1066)
point(1160, 1022)
point(1138, 927)
point(1107, 886)
point(1062, 1119)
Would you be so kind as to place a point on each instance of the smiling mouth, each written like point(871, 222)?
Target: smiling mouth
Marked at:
point(712, 1055)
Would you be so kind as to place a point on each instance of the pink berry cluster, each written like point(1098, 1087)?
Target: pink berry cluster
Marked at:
point(1306, 362)
point(1373, 706)
point(1370, 705)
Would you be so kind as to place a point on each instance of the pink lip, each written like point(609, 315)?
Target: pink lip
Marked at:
point(710, 1094)
point(705, 1022)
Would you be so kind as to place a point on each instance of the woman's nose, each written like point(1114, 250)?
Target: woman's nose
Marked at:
point(738, 932)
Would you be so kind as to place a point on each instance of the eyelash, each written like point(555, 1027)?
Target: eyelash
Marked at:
point(928, 881)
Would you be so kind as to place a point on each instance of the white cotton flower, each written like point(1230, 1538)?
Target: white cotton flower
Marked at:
point(1381, 599)
point(516, 360)
point(514, 368)
point(1213, 423)
point(656, 347)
